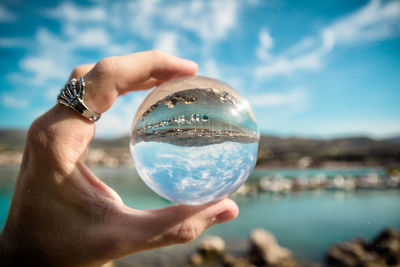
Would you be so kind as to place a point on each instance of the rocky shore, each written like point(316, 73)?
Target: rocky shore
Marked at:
point(383, 250)
point(264, 250)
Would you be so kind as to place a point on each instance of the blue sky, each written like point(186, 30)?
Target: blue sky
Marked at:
point(308, 68)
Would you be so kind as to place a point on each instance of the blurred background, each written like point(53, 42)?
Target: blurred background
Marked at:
point(321, 76)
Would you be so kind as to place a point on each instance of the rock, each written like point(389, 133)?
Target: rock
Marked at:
point(349, 254)
point(209, 249)
point(387, 245)
point(230, 260)
point(196, 259)
point(211, 246)
point(265, 250)
point(383, 251)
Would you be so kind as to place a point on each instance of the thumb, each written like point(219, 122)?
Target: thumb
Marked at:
point(176, 224)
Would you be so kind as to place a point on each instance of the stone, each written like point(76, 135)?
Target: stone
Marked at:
point(209, 249)
point(196, 259)
point(265, 250)
point(387, 245)
point(230, 260)
point(211, 246)
point(353, 254)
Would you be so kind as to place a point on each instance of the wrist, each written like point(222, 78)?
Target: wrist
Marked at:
point(14, 253)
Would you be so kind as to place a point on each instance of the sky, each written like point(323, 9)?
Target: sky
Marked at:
point(308, 68)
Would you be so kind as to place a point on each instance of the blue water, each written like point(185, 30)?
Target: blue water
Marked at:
point(306, 222)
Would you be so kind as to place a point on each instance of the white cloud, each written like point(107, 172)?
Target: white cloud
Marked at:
point(143, 13)
point(284, 66)
point(68, 11)
point(167, 42)
point(210, 20)
point(52, 60)
point(93, 37)
point(117, 121)
point(304, 45)
point(265, 44)
point(294, 99)
point(6, 15)
point(14, 102)
point(43, 67)
point(210, 68)
point(372, 22)
point(274, 108)
point(51, 57)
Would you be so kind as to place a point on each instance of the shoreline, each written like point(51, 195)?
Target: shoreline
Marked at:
point(262, 248)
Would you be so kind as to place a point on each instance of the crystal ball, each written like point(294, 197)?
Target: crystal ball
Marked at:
point(194, 140)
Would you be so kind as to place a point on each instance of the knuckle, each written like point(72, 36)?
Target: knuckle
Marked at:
point(78, 71)
point(43, 141)
point(157, 53)
point(161, 57)
point(163, 62)
point(186, 232)
point(38, 135)
point(106, 66)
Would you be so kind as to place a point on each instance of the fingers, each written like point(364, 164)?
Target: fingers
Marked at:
point(113, 76)
point(172, 225)
point(81, 70)
point(137, 68)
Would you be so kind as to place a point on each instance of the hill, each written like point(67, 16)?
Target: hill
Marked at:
point(273, 151)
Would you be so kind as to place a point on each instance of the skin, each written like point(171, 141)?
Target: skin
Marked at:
point(61, 214)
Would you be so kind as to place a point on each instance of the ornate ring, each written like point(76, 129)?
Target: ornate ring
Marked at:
point(73, 98)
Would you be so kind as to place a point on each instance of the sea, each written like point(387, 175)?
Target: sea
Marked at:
point(306, 222)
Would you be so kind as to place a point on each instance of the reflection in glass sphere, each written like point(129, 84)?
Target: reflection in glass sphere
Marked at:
point(194, 140)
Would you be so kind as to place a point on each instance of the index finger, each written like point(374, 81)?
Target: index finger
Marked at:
point(113, 76)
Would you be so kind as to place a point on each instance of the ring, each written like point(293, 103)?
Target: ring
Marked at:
point(73, 98)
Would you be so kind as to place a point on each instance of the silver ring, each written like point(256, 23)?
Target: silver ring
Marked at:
point(73, 98)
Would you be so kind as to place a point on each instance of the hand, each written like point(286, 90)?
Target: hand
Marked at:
point(61, 213)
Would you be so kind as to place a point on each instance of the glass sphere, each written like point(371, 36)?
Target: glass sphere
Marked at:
point(194, 140)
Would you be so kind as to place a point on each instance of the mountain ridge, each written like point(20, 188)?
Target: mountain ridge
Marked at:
point(274, 151)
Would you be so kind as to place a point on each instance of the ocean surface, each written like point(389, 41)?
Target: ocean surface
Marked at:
point(306, 222)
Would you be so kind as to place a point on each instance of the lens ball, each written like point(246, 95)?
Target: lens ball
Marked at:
point(194, 140)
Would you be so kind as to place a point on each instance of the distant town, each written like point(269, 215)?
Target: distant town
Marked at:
point(274, 152)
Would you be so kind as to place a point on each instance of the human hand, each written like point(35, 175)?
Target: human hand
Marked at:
point(61, 213)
